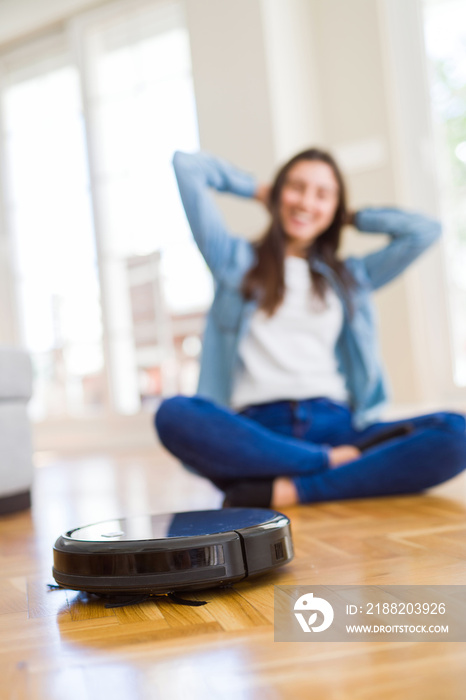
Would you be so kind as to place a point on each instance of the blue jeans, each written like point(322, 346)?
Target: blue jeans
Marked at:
point(293, 438)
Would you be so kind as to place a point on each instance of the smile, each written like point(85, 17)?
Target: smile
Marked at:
point(301, 218)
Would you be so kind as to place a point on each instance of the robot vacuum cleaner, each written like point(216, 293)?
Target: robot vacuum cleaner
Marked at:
point(150, 554)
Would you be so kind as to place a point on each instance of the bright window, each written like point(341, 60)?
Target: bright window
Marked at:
point(50, 222)
point(445, 33)
point(90, 123)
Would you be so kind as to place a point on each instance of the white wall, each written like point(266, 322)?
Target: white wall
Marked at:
point(292, 72)
point(232, 98)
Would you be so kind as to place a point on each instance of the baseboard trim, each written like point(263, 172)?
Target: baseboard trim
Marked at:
point(14, 503)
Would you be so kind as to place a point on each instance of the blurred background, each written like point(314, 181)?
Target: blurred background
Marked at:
point(99, 277)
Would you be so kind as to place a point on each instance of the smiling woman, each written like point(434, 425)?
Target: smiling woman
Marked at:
point(308, 202)
point(291, 384)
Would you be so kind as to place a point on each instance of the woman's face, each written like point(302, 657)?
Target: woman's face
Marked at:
point(308, 202)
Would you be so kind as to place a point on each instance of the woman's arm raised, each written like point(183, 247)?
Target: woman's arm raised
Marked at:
point(196, 173)
point(410, 233)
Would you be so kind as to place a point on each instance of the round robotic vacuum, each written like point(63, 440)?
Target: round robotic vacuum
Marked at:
point(151, 554)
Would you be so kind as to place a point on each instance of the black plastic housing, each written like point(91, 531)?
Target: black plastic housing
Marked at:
point(173, 551)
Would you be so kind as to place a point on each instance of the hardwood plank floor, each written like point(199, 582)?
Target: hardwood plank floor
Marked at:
point(62, 645)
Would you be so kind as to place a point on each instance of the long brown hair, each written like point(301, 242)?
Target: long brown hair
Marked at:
point(265, 281)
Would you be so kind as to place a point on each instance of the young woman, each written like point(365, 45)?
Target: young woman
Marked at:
point(291, 383)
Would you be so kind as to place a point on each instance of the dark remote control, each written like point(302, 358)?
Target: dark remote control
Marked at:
point(388, 434)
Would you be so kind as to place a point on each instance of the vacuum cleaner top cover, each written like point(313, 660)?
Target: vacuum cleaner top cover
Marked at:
point(172, 551)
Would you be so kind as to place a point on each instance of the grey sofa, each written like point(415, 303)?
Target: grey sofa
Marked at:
point(16, 467)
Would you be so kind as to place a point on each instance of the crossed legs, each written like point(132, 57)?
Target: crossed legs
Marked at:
point(225, 447)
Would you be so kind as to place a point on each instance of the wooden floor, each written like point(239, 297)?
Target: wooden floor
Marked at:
point(57, 645)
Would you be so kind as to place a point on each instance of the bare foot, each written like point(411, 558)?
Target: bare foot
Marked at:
point(284, 493)
point(342, 455)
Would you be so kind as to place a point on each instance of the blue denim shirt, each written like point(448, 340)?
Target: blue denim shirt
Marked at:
point(229, 257)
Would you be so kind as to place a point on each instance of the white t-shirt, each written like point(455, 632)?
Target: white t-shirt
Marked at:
point(291, 354)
